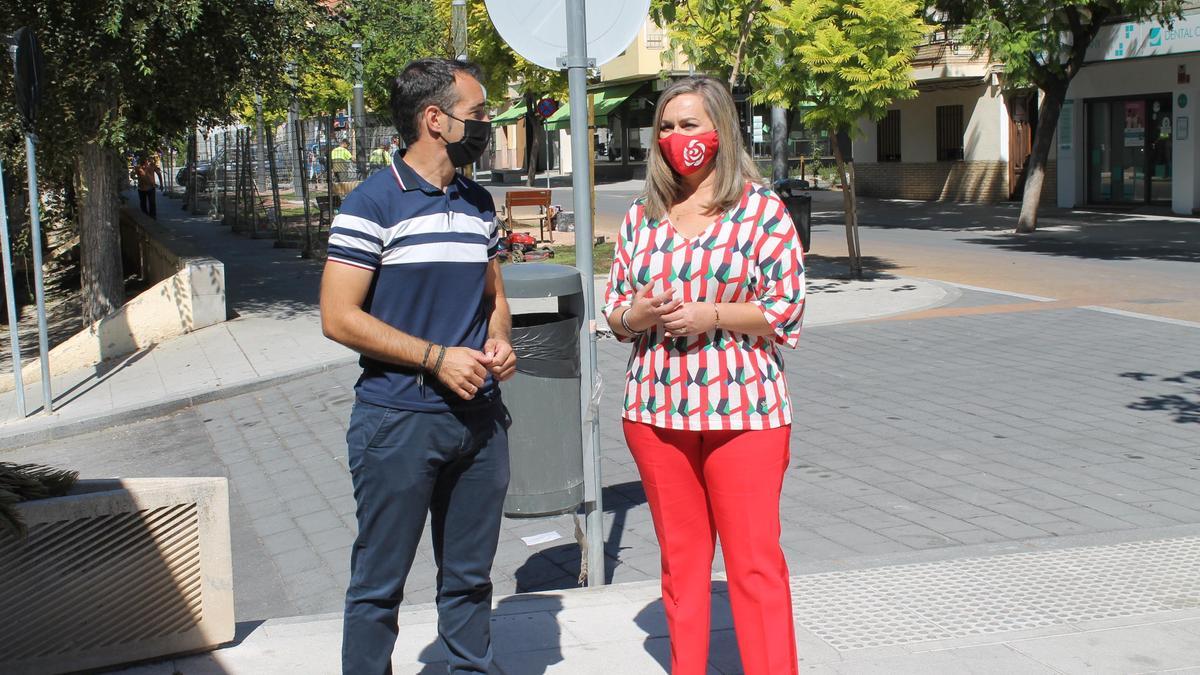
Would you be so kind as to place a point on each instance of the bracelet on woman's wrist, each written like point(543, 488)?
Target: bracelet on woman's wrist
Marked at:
point(625, 324)
point(716, 316)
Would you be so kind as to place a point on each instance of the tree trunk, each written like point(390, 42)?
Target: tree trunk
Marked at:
point(101, 274)
point(531, 142)
point(1035, 169)
point(740, 51)
point(779, 143)
point(851, 213)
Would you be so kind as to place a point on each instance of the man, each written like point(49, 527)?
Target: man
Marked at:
point(342, 159)
point(412, 283)
point(380, 157)
point(145, 173)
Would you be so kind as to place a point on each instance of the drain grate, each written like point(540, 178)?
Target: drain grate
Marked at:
point(904, 604)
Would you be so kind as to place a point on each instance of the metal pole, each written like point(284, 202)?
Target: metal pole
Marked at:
point(458, 34)
point(546, 133)
point(210, 185)
point(35, 243)
point(305, 252)
point(359, 125)
point(458, 28)
point(14, 333)
point(260, 176)
point(276, 201)
point(577, 67)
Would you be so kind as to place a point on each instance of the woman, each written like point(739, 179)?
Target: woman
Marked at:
point(707, 281)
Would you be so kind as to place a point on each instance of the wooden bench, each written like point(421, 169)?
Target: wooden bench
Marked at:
point(324, 213)
point(527, 199)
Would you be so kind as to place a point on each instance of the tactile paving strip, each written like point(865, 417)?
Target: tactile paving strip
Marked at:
point(905, 604)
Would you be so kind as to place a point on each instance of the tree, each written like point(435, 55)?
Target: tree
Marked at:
point(726, 38)
point(505, 71)
point(1044, 45)
point(124, 75)
point(851, 59)
point(393, 33)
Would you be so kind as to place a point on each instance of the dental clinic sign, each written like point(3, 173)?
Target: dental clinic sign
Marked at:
point(1148, 38)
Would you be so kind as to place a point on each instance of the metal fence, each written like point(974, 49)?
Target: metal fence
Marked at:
point(284, 181)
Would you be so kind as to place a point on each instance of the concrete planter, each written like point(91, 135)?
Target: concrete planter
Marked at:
point(118, 571)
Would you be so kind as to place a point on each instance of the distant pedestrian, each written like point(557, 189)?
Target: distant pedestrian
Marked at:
point(314, 165)
point(341, 161)
point(380, 158)
point(145, 173)
point(708, 282)
point(413, 284)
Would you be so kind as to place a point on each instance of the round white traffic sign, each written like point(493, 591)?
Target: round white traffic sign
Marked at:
point(537, 29)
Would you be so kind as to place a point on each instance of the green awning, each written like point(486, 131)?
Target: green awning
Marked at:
point(607, 100)
point(509, 116)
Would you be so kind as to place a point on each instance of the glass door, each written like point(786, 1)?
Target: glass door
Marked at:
point(1129, 150)
point(1159, 135)
point(1100, 177)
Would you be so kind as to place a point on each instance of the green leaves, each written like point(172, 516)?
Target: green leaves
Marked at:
point(508, 75)
point(1043, 44)
point(851, 58)
point(719, 37)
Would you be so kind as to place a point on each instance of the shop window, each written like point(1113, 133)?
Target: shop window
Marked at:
point(888, 131)
point(949, 132)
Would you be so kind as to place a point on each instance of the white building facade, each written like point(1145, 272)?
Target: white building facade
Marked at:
point(1126, 136)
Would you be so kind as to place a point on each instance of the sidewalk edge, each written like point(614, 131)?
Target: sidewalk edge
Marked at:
point(49, 430)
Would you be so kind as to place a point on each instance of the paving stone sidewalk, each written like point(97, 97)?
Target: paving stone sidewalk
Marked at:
point(919, 435)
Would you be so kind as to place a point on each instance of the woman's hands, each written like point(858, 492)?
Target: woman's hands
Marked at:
point(690, 318)
point(648, 310)
point(677, 317)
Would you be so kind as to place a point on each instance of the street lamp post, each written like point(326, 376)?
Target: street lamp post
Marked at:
point(358, 124)
point(458, 28)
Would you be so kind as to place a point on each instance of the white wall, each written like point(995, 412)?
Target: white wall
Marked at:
point(983, 119)
point(564, 150)
point(1135, 77)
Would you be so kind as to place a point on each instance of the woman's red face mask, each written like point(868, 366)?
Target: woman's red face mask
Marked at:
point(688, 154)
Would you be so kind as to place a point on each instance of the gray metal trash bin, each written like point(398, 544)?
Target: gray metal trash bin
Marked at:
point(799, 207)
point(545, 441)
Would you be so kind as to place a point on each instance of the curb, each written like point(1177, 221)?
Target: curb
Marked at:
point(58, 431)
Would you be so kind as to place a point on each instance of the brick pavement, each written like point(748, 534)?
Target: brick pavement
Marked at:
point(912, 436)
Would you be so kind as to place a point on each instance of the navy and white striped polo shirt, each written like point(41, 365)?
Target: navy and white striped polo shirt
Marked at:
point(429, 251)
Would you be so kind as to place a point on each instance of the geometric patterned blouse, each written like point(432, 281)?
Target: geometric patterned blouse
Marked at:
point(719, 380)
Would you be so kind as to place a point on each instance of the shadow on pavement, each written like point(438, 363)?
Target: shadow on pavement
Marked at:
point(618, 501)
point(1179, 242)
point(722, 648)
point(558, 567)
point(1184, 406)
point(526, 637)
point(102, 372)
point(827, 273)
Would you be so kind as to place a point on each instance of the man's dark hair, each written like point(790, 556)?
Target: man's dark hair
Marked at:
point(423, 83)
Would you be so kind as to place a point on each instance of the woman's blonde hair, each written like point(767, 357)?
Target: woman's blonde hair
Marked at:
point(733, 166)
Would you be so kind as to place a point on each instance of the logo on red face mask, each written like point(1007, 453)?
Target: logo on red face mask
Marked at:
point(694, 153)
point(689, 154)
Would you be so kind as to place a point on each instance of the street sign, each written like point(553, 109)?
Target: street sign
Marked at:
point(536, 29)
point(546, 107)
point(28, 78)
